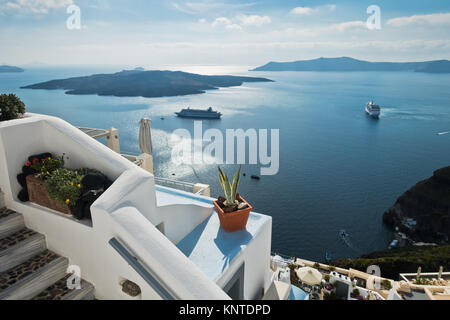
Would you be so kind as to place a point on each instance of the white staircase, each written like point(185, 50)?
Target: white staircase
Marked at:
point(28, 270)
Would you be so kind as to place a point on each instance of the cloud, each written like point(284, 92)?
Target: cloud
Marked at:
point(226, 23)
point(254, 20)
point(427, 19)
point(35, 6)
point(302, 11)
point(233, 26)
point(200, 7)
point(350, 25)
point(309, 11)
point(222, 21)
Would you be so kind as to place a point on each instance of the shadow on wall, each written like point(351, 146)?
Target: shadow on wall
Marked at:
point(231, 246)
point(2, 199)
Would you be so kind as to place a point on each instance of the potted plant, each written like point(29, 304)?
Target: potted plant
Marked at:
point(45, 181)
point(233, 210)
point(64, 187)
point(43, 167)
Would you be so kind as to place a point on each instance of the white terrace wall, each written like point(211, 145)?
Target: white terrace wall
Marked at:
point(127, 211)
point(256, 258)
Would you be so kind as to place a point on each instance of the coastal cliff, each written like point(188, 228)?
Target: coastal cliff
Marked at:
point(423, 212)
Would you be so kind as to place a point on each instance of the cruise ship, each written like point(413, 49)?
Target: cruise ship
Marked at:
point(373, 109)
point(199, 114)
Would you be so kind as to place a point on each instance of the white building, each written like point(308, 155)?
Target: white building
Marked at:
point(166, 241)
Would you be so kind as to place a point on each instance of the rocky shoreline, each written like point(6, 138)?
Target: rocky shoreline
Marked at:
point(423, 212)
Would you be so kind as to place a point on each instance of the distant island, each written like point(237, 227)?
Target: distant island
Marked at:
point(148, 84)
point(8, 69)
point(346, 64)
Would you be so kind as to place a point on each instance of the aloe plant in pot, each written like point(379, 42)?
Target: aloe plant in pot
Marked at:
point(233, 210)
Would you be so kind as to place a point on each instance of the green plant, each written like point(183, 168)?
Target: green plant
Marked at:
point(386, 284)
point(316, 265)
point(355, 293)
point(46, 166)
point(229, 189)
point(332, 268)
point(64, 186)
point(422, 281)
point(401, 260)
point(11, 107)
point(327, 278)
point(293, 275)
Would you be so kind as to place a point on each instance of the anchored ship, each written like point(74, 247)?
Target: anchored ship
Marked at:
point(373, 109)
point(199, 114)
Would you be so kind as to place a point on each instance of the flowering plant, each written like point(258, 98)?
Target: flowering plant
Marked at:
point(329, 287)
point(64, 186)
point(46, 166)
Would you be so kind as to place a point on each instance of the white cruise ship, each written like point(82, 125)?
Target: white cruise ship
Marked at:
point(373, 109)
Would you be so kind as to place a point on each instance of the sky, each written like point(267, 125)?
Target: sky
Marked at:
point(220, 32)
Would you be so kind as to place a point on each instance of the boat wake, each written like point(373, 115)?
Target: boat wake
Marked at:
point(345, 237)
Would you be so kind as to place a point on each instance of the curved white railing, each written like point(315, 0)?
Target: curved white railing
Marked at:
point(124, 201)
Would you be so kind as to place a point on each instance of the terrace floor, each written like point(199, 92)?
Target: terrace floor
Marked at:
point(209, 246)
point(213, 249)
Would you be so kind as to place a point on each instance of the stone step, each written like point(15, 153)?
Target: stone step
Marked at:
point(19, 247)
point(10, 222)
point(60, 291)
point(28, 279)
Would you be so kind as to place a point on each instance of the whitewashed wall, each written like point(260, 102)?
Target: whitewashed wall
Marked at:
point(127, 210)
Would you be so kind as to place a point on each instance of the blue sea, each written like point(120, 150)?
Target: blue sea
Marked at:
point(339, 169)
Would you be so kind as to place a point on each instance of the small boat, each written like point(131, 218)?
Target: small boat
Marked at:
point(393, 244)
point(373, 109)
point(343, 234)
point(328, 257)
point(255, 177)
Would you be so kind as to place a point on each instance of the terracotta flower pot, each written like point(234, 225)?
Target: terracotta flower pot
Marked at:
point(236, 220)
point(39, 195)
